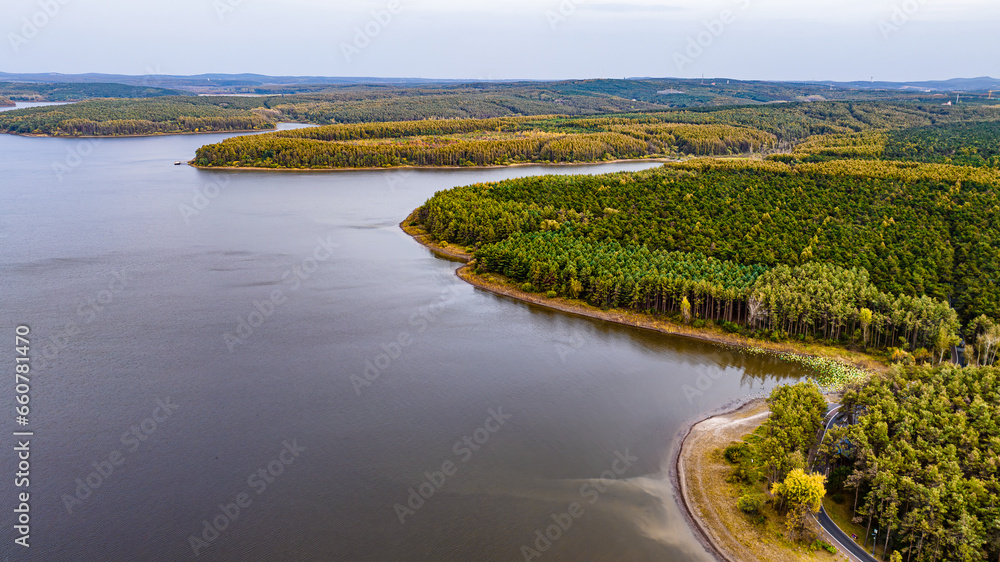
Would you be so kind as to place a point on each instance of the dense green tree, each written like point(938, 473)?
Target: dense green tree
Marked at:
point(925, 456)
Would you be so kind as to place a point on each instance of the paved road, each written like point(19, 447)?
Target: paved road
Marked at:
point(844, 542)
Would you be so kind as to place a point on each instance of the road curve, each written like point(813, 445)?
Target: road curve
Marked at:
point(846, 543)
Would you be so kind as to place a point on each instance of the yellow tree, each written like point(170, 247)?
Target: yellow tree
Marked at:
point(802, 493)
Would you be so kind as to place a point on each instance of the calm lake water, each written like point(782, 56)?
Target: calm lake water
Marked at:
point(269, 353)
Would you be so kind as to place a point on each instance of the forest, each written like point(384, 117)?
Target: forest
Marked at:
point(6, 102)
point(976, 144)
point(114, 117)
point(870, 253)
point(734, 103)
point(960, 143)
point(480, 142)
point(921, 459)
point(23, 91)
point(559, 139)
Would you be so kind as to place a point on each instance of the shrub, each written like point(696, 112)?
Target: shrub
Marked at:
point(921, 356)
point(735, 452)
point(527, 288)
point(750, 503)
point(551, 294)
point(900, 356)
point(699, 323)
point(822, 545)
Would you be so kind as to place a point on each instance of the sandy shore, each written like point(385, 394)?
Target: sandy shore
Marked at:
point(700, 474)
point(695, 465)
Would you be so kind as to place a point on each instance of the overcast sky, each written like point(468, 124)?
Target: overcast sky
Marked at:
point(508, 39)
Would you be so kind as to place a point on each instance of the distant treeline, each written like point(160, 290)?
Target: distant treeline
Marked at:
point(20, 91)
point(967, 144)
point(479, 142)
point(134, 117)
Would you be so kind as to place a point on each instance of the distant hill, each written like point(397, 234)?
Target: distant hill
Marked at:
point(980, 84)
point(264, 84)
point(207, 80)
point(24, 91)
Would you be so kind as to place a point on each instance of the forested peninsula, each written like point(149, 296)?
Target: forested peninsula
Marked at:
point(897, 258)
point(127, 117)
point(562, 139)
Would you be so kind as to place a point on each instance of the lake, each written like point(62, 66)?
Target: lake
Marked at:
point(263, 366)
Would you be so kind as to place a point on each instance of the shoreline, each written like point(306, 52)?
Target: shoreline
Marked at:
point(41, 136)
point(492, 166)
point(701, 440)
point(684, 448)
point(625, 317)
point(678, 476)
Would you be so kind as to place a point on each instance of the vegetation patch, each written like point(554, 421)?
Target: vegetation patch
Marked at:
point(920, 461)
point(116, 117)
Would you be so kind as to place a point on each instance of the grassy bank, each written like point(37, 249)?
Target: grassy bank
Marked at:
point(710, 497)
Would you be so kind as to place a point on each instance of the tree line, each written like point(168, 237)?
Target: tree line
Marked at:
point(480, 142)
point(135, 117)
point(966, 144)
point(870, 252)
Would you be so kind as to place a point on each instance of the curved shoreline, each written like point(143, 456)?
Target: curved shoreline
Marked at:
point(625, 317)
point(679, 480)
point(490, 167)
point(701, 529)
point(138, 136)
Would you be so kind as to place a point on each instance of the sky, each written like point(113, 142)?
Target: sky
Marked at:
point(892, 40)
